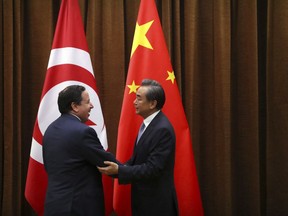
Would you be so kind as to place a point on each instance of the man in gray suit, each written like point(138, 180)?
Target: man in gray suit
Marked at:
point(71, 153)
point(150, 170)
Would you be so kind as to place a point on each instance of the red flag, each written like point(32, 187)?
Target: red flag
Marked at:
point(69, 64)
point(150, 59)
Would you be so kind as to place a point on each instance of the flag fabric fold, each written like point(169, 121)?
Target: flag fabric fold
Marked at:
point(150, 59)
point(69, 64)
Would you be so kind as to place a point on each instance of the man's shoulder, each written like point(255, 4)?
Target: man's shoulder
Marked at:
point(69, 122)
point(162, 118)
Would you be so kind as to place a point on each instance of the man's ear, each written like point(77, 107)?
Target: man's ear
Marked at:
point(153, 104)
point(74, 107)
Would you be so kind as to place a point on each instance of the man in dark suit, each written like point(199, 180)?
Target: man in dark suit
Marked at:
point(150, 170)
point(71, 153)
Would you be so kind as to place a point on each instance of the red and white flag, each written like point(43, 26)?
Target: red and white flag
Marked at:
point(69, 64)
point(150, 59)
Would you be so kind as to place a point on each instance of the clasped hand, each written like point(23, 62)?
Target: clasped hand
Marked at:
point(111, 169)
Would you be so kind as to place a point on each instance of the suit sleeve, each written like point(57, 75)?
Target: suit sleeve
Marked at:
point(161, 151)
point(92, 149)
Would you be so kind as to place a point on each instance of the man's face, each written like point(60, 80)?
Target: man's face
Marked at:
point(84, 108)
point(143, 107)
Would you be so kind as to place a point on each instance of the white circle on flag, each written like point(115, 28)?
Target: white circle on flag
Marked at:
point(48, 110)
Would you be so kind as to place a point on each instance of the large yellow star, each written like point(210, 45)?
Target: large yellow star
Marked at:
point(171, 76)
point(133, 87)
point(140, 36)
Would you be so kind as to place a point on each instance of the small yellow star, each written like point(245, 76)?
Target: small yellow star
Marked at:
point(140, 36)
point(171, 76)
point(133, 87)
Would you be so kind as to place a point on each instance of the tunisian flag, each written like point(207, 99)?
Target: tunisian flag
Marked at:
point(150, 59)
point(69, 64)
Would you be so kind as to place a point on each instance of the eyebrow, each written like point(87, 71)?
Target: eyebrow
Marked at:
point(88, 100)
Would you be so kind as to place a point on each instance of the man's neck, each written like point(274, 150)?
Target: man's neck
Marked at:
point(75, 116)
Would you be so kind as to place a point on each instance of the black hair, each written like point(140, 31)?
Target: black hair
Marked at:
point(69, 95)
point(155, 92)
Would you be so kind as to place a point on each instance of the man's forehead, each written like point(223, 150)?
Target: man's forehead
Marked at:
point(143, 89)
point(85, 94)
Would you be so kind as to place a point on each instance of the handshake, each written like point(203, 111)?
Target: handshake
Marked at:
point(110, 169)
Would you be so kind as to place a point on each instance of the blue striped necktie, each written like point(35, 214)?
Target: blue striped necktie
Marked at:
point(141, 130)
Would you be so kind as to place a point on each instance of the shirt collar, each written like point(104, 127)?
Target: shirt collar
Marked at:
point(75, 116)
point(148, 120)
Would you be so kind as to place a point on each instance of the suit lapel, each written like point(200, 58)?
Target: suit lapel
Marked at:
point(141, 143)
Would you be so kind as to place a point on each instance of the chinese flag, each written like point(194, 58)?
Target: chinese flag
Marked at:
point(69, 64)
point(150, 59)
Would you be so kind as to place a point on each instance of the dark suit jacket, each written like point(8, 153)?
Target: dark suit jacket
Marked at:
point(151, 171)
point(71, 152)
